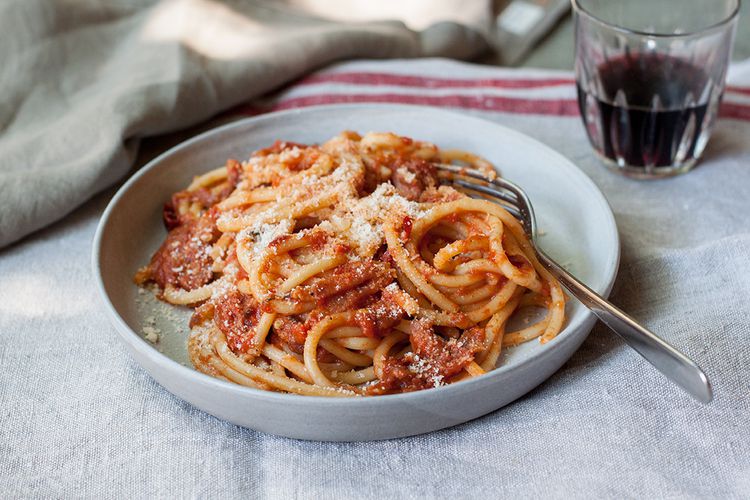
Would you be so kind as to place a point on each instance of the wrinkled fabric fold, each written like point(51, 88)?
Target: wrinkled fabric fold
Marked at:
point(83, 82)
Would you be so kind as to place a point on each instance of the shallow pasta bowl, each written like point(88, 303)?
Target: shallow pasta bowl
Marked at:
point(579, 231)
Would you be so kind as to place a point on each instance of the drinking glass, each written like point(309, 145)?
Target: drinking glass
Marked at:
point(650, 76)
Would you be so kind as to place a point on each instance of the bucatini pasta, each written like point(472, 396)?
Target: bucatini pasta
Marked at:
point(347, 269)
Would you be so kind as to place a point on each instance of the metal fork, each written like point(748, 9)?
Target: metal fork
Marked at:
point(673, 364)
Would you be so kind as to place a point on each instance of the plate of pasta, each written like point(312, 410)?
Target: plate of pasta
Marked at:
point(310, 273)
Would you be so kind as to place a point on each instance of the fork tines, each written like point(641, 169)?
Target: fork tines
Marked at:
point(499, 190)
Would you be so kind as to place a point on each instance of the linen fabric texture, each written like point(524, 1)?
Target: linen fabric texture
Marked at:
point(82, 82)
point(79, 418)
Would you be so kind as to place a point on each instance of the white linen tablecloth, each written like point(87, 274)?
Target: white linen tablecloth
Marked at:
point(79, 418)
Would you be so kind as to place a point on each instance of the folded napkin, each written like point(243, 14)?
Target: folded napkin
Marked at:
point(79, 418)
point(82, 82)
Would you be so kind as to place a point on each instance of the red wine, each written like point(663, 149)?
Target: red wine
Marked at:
point(648, 110)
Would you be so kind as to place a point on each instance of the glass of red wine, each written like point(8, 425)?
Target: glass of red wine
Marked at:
point(650, 76)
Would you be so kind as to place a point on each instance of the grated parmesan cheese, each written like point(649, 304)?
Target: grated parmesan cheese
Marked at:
point(407, 174)
point(151, 334)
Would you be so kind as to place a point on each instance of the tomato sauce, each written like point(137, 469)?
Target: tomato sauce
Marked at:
point(431, 363)
point(237, 315)
point(183, 260)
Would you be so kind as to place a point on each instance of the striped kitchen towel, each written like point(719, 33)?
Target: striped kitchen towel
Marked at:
point(446, 83)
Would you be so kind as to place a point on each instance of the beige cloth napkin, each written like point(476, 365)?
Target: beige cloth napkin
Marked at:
point(81, 82)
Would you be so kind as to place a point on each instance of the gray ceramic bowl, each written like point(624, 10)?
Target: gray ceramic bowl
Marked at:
point(580, 233)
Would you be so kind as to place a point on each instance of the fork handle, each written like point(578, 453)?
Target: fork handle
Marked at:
point(673, 364)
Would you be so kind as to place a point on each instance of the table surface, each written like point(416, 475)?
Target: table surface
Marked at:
point(555, 51)
point(81, 419)
point(605, 426)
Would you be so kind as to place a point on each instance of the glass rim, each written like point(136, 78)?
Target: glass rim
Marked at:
point(579, 9)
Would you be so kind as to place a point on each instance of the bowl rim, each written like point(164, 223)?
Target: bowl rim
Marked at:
point(190, 375)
